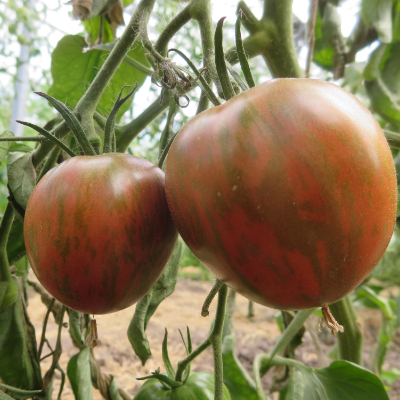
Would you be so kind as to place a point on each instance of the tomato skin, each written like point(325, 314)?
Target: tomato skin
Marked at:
point(287, 192)
point(199, 386)
point(98, 232)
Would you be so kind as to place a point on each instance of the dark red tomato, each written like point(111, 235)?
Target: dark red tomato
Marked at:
point(287, 192)
point(98, 232)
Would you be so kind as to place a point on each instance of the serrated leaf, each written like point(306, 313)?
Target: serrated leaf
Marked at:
point(341, 380)
point(73, 71)
point(21, 176)
point(79, 375)
point(5, 146)
point(378, 13)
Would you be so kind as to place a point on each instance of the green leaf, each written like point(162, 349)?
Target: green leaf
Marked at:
point(92, 27)
point(341, 380)
point(113, 390)
point(16, 244)
point(75, 323)
point(383, 303)
point(136, 330)
point(165, 286)
point(4, 396)
point(73, 70)
point(79, 375)
point(378, 13)
point(21, 176)
point(19, 366)
point(5, 146)
point(21, 393)
point(146, 307)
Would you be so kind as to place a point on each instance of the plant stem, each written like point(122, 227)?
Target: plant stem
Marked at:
point(5, 228)
point(173, 26)
point(350, 341)
point(213, 338)
point(216, 342)
point(249, 21)
point(280, 54)
point(200, 11)
point(210, 297)
point(46, 319)
point(24, 139)
point(311, 35)
point(290, 332)
point(164, 154)
point(128, 132)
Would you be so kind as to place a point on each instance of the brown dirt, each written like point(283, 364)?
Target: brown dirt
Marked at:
point(182, 308)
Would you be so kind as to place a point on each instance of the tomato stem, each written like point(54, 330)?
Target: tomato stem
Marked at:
point(92, 340)
point(215, 340)
point(206, 305)
point(350, 342)
point(329, 321)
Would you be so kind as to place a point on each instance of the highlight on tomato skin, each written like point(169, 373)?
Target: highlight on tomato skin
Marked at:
point(287, 192)
point(98, 231)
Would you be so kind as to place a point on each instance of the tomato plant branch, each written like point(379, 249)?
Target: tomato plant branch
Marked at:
point(173, 26)
point(129, 131)
point(216, 342)
point(200, 11)
point(280, 55)
point(164, 154)
point(24, 139)
point(46, 319)
point(351, 340)
point(210, 297)
point(214, 336)
point(311, 35)
point(249, 20)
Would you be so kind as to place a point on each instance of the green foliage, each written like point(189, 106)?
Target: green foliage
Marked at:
point(147, 306)
point(378, 13)
point(73, 70)
point(79, 375)
point(341, 380)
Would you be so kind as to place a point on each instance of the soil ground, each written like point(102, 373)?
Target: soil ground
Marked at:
point(182, 308)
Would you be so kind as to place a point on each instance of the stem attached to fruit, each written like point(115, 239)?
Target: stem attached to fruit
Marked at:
point(351, 340)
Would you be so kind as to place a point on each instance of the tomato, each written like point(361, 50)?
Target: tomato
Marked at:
point(98, 232)
point(199, 386)
point(287, 192)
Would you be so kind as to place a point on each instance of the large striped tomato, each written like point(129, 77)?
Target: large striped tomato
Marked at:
point(98, 231)
point(287, 192)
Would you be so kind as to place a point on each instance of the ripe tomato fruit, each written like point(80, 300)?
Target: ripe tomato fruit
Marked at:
point(287, 192)
point(98, 232)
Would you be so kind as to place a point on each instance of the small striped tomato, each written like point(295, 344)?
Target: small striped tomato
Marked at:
point(287, 192)
point(98, 232)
